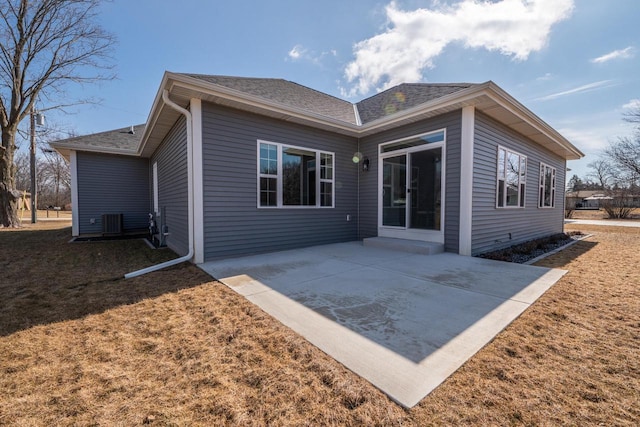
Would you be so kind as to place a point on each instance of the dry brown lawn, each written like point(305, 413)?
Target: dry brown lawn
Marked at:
point(598, 214)
point(81, 346)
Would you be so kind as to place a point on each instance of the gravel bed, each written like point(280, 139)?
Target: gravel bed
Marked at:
point(527, 251)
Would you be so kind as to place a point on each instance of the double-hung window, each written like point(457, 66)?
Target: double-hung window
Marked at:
point(511, 179)
point(547, 193)
point(290, 176)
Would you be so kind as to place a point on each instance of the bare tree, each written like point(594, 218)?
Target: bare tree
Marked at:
point(55, 179)
point(633, 116)
point(44, 45)
point(22, 176)
point(624, 155)
point(602, 172)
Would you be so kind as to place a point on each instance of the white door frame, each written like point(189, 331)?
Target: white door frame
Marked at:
point(406, 232)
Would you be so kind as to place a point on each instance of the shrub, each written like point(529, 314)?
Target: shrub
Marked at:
point(616, 209)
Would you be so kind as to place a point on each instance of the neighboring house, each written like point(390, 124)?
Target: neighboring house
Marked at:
point(577, 199)
point(235, 166)
point(595, 199)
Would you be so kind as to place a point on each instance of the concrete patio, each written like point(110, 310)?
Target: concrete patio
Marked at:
point(403, 321)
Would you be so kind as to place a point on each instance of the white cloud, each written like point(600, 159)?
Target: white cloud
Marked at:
point(546, 77)
point(633, 104)
point(415, 38)
point(626, 53)
point(584, 88)
point(296, 52)
point(299, 53)
point(588, 139)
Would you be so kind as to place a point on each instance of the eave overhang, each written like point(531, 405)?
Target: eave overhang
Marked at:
point(66, 149)
point(487, 98)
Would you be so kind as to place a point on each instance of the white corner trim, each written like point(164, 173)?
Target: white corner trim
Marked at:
point(75, 218)
point(198, 181)
point(466, 180)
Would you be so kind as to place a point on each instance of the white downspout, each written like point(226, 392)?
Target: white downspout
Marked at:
point(188, 256)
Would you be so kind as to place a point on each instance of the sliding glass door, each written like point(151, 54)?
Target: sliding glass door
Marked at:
point(411, 200)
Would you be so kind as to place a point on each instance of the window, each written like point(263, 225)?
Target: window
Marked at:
point(547, 194)
point(427, 138)
point(512, 178)
point(268, 174)
point(289, 176)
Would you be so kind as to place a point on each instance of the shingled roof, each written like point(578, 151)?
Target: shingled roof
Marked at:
point(291, 94)
point(118, 140)
point(396, 99)
point(403, 97)
point(295, 103)
point(288, 93)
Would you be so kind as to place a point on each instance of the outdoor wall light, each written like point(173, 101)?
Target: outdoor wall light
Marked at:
point(358, 157)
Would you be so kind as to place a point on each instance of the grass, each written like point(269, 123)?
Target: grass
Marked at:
point(599, 214)
point(81, 346)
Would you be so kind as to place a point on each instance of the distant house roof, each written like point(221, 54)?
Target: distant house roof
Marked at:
point(292, 102)
point(582, 194)
point(598, 197)
point(123, 141)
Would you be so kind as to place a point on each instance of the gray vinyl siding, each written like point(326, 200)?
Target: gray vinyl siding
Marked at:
point(369, 180)
point(491, 226)
point(233, 223)
point(173, 200)
point(110, 184)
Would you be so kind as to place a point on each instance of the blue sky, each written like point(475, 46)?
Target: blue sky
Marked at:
point(574, 63)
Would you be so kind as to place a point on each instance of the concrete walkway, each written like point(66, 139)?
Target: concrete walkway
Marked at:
point(404, 322)
point(604, 222)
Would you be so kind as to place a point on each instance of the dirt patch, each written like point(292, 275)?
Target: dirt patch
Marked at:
point(81, 346)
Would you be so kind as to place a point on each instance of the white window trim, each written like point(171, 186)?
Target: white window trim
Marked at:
point(279, 182)
point(521, 195)
point(541, 186)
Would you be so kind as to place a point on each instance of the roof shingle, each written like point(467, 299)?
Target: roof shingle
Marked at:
point(286, 93)
point(404, 97)
point(118, 139)
point(383, 104)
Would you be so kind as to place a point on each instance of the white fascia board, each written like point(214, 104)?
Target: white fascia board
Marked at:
point(153, 113)
point(100, 150)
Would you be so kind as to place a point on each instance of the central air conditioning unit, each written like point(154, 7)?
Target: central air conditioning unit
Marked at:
point(112, 224)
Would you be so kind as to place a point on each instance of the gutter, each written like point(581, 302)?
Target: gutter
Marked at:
point(188, 256)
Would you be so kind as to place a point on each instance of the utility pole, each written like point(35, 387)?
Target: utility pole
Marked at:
point(34, 190)
point(36, 119)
